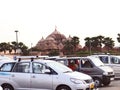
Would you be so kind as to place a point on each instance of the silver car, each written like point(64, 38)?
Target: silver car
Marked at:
point(42, 75)
point(113, 61)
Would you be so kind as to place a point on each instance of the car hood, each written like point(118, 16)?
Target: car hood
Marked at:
point(79, 75)
point(106, 68)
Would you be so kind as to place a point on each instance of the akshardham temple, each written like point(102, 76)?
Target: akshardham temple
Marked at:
point(54, 41)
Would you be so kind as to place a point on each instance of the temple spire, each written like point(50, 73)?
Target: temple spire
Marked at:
point(55, 28)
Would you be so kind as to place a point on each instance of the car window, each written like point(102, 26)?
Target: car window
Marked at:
point(23, 67)
point(7, 67)
point(85, 63)
point(104, 59)
point(115, 60)
point(39, 68)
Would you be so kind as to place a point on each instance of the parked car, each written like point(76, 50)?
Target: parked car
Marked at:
point(101, 74)
point(1, 88)
point(111, 60)
point(42, 75)
point(4, 59)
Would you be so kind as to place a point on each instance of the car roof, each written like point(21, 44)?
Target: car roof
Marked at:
point(28, 60)
point(67, 58)
point(36, 60)
point(3, 57)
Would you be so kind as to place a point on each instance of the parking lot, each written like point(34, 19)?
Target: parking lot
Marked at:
point(115, 85)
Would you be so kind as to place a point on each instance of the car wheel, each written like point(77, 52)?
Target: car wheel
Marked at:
point(106, 82)
point(98, 82)
point(63, 88)
point(7, 87)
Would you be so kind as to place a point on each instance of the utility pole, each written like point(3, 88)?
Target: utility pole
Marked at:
point(90, 46)
point(16, 31)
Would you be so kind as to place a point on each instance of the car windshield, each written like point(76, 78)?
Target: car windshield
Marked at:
point(97, 61)
point(59, 67)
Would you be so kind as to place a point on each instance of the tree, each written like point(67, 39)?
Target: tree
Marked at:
point(100, 41)
point(68, 47)
point(75, 42)
point(88, 43)
point(3, 47)
point(20, 46)
point(108, 42)
point(14, 45)
point(118, 39)
point(10, 47)
point(24, 50)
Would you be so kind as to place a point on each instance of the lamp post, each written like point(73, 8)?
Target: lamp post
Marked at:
point(90, 46)
point(16, 31)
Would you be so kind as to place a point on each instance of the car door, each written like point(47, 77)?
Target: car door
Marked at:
point(87, 67)
point(21, 76)
point(39, 79)
point(115, 65)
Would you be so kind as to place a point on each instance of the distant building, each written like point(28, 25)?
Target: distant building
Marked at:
point(54, 41)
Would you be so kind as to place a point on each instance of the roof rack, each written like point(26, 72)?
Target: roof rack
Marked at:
point(19, 58)
point(29, 57)
point(101, 53)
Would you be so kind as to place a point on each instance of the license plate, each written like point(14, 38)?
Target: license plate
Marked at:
point(111, 78)
point(92, 85)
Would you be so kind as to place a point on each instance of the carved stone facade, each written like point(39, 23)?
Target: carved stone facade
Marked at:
point(54, 41)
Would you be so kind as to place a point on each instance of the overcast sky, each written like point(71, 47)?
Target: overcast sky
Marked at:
point(35, 19)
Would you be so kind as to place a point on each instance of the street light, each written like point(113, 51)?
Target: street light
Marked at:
point(16, 31)
point(90, 46)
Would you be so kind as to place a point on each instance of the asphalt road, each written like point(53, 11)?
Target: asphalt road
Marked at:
point(115, 85)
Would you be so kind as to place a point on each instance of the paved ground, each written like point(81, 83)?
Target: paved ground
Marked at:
point(115, 85)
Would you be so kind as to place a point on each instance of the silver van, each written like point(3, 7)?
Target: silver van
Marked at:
point(113, 61)
point(101, 74)
point(42, 75)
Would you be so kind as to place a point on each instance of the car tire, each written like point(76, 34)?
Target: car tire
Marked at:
point(106, 82)
point(63, 88)
point(98, 82)
point(7, 87)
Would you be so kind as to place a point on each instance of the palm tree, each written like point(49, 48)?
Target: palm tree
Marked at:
point(68, 47)
point(14, 44)
point(9, 47)
point(3, 47)
point(118, 39)
point(75, 42)
point(20, 46)
point(109, 43)
point(88, 43)
point(100, 41)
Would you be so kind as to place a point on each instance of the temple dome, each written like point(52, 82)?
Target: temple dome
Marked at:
point(53, 41)
point(56, 35)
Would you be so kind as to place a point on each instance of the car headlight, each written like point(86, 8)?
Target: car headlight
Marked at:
point(77, 81)
point(105, 73)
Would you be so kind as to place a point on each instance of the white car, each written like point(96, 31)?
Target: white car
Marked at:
point(3, 57)
point(42, 75)
point(111, 60)
point(101, 74)
point(1, 88)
